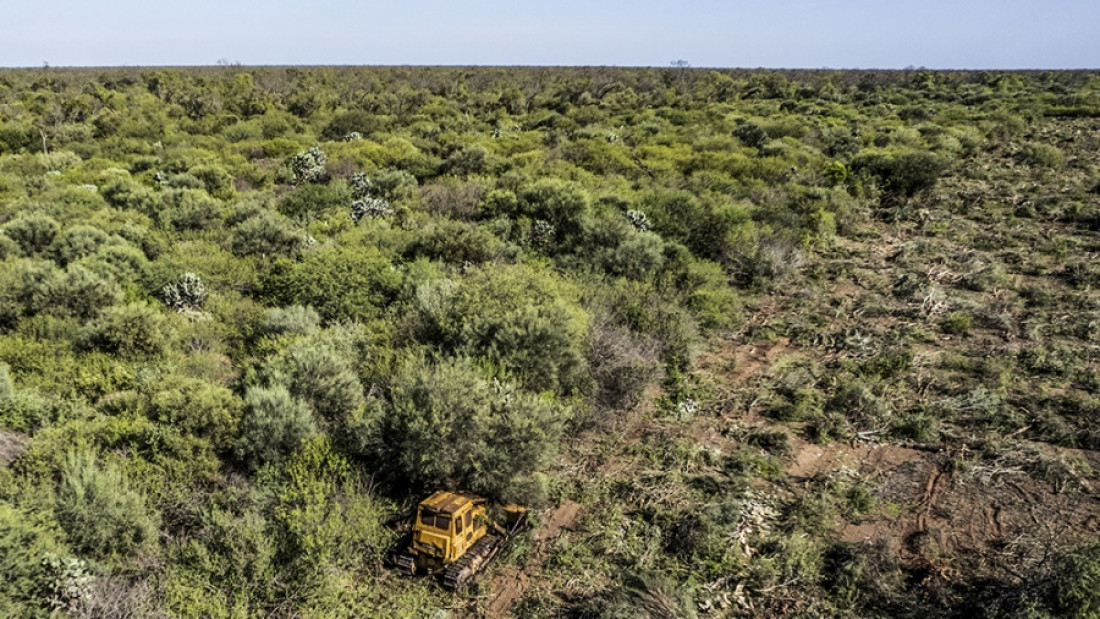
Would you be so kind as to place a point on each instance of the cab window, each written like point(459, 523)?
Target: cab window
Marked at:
point(468, 519)
point(458, 525)
point(435, 519)
point(427, 518)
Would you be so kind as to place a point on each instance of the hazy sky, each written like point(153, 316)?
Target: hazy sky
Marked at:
point(735, 33)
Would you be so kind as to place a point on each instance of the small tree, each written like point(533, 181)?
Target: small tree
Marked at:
point(450, 426)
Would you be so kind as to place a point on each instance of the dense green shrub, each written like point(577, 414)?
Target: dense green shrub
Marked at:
point(903, 173)
point(24, 289)
point(326, 517)
point(134, 330)
point(80, 293)
point(294, 319)
point(7, 390)
point(317, 371)
point(561, 204)
point(101, 515)
point(26, 541)
point(124, 193)
point(340, 283)
point(9, 248)
point(266, 234)
point(215, 180)
point(354, 121)
point(394, 185)
point(526, 321)
point(274, 424)
point(1075, 586)
point(33, 232)
point(313, 201)
point(190, 209)
point(77, 242)
point(457, 242)
point(199, 408)
point(1043, 155)
point(447, 425)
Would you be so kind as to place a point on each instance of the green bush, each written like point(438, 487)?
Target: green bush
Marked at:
point(33, 232)
point(528, 322)
point(24, 289)
point(273, 425)
point(457, 242)
point(295, 319)
point(326, 517)
point(100, 514)
point(215, 180)
point(903, 173)
point(341, 283)
point(447, 426)
point(7, 389)
point(26, 540)
point(267, 234)
point(957, 323)
point(355, 121)
point(9, 247)
point(562, 204)
point(1043, 155)
point(190, 209)
point(395, 185)
point(1075, 586)
point(318, 372)
point(77, 242)
point(80, 293)
point(198, 408)
point(134, 330)
point(313, 201)
point(124, 193)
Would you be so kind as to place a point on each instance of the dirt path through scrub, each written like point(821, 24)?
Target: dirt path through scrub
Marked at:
point(511, 583)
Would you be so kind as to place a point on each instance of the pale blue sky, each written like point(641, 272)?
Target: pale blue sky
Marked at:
point(735, 33)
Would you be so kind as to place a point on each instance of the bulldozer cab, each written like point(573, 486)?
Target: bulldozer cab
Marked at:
point(447, 524)
point(451, 537)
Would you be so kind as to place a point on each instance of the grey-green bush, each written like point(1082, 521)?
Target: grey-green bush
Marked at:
point(448, 426)
point(273, 425)
point(33, 232)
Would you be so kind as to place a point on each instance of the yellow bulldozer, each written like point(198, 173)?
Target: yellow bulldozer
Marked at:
point(451, 537)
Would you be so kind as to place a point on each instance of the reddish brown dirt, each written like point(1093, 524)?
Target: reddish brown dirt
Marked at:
point(11, 445)
point(810, 459)
point(510, 584)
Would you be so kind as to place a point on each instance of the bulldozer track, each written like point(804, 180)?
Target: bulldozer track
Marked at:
point(458, 574)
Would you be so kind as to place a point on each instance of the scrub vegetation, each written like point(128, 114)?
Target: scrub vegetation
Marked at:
point(748, 343)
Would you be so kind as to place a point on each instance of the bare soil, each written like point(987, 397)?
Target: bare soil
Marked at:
point(510, 584)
